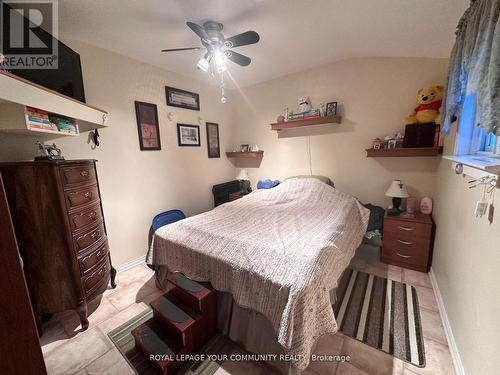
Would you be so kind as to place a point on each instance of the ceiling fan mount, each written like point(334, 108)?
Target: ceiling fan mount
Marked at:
point(217, 46)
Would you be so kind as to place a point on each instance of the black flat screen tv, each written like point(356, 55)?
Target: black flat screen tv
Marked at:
point(66, 79)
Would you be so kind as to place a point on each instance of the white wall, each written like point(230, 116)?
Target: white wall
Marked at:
point(136, 185)
point(466, 264)
point(374, 95)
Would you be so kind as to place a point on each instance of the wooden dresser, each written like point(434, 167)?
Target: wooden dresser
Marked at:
point(59, 224)
point(408, 242)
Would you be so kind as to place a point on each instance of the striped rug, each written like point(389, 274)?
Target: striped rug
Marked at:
point(381, 313)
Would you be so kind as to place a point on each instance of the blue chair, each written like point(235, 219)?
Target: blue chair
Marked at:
point(164, 218)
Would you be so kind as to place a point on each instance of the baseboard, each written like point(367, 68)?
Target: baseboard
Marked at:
point(131, 263)
point(455, 355)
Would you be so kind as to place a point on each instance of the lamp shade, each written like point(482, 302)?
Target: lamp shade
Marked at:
point(397, 190)
point(243, 175)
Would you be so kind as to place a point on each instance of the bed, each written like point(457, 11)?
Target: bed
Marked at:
point(277, 252)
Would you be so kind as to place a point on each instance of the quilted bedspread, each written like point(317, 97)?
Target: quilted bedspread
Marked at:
point(277, 251)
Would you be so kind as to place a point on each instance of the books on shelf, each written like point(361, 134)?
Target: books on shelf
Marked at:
point(313, 113)
point(40, 119)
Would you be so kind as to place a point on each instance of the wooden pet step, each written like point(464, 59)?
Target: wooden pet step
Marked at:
point(181, 323)
point(200, 297)
point(151, 341)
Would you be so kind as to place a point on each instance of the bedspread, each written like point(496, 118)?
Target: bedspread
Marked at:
point(277, 251)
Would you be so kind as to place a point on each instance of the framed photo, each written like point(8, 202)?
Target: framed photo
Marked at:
point(213, 145)
point(188, 135)
point(331, 109)
point(182, 98)
point(147, 126)
point(245, 148)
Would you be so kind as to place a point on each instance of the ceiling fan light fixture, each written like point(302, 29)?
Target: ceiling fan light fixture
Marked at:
point(203, 64)
point(220, 61)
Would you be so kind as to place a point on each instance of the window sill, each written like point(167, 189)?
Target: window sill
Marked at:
point(482, 162)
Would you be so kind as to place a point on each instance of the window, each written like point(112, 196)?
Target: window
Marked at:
point(472, 139)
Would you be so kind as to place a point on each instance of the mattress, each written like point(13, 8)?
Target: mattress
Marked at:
point(277, 251)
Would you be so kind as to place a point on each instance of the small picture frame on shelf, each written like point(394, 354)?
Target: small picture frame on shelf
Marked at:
point(245, 148)
point(188, 135)
point(331, 109)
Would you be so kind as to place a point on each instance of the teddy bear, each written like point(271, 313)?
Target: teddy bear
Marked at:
point(429, 101)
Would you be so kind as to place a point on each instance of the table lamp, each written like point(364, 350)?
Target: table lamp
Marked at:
point(397, 191)
point(244, 181)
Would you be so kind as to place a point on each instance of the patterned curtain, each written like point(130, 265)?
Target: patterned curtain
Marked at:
point(475, 66)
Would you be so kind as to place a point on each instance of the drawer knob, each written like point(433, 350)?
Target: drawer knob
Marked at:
point(84, 173)
point(97, 233)
point(403, 256)
point(405, 242)
point(93, 215)
point(88, 195)
point(406, 228)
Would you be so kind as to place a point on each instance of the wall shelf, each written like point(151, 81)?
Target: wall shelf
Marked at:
point(249, 154)
point(307, 122)
point(404, 152)
point(18, 93)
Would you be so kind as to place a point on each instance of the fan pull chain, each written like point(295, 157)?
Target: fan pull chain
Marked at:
point(223, 98)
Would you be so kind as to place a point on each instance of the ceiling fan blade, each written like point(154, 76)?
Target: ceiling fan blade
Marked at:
point(238, 58)
point(200, 31)
point(180, 49)
point(243, 39)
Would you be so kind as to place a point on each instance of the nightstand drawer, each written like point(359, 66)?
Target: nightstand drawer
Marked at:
point(398, 255)
point(407, 228)
point(410, 244)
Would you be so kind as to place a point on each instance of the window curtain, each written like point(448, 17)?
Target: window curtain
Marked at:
point(475, 66)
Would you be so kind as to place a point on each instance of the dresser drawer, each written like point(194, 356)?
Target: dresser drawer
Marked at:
point(78, 175)
point(78, 198)
point(89, 260)
point(97, 277)
point(89, 237)
point(407, 228)
point(85, 217)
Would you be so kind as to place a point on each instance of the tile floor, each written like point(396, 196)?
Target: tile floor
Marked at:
point(68, 351)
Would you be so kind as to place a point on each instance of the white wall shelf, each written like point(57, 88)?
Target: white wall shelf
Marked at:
point(16, 93)
point(481, 163)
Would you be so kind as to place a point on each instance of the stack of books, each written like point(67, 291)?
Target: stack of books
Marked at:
point(38, 119)
point(313, 113)
point(65, 125)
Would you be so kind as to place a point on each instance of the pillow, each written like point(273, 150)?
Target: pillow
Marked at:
point(324, 179)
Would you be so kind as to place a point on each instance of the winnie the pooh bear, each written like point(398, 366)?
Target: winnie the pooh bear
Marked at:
point(429, 101)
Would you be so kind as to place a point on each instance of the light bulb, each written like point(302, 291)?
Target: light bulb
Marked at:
point(223, 99)
point(220, 61)
point(203, 64)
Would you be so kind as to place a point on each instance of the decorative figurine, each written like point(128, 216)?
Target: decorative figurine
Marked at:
point(49, 152)
point(304, 104)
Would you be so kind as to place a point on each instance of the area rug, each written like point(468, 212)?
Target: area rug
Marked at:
point(124, 341)
point(381, 313)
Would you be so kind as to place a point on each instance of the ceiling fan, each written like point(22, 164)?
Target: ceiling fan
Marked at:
point(218, 47)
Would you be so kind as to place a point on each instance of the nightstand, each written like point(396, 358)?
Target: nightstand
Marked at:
point(408, 242)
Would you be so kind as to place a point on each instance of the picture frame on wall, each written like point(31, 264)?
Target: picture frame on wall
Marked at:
point(182, 98)
point(188, 135)
point(148, 126)
point(331, 109)
point(213, 145)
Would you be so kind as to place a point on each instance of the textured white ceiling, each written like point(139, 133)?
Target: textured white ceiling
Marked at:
point(295, 34)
